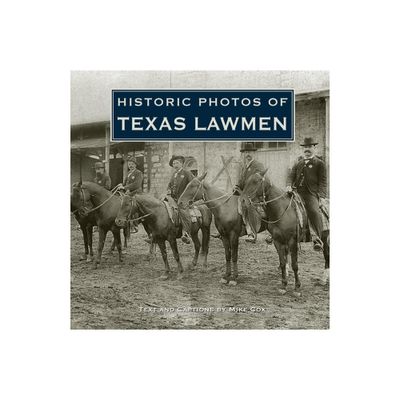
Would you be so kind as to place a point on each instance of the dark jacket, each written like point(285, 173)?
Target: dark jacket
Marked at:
point(245, 172)
point(104, 181)
point(178, 183)
point(134, 181)
point(310, 177)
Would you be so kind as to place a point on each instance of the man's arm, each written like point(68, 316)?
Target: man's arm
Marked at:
point(291, 177)
point(137, 181)
point(322, 180)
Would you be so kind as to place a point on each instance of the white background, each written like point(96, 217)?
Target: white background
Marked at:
point(41, 42)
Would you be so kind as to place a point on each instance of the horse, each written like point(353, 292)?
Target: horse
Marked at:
point(156, 220)
point(104, 208)
point(227, 219)
point(282, 222)
point(86, 223)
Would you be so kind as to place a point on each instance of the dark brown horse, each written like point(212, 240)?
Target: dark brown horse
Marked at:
point(227, 219)
point(282, 222)
point(86, 223)
point(149, 209)
point(88, 199)
point(156, 220)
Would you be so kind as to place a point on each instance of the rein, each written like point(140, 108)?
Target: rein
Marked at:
point(265, 202)
point(130, 212)
point(210, 200)
point(105, 201)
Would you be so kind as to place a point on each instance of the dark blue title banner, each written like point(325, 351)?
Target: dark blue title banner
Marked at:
point(253, 115)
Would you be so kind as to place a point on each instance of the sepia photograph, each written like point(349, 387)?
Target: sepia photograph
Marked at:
point(202, 234)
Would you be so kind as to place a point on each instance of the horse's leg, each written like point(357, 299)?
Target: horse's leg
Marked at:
point(293, 246)
point(117, 240)
point(234, 241)
point(205, 240)
point(174, 247)
point(282, 253)
point(325, 241)
point(228, 256)
point(90, 242)
point(163, 249)
point(127, 235)
point(84, 230)
point(196, 243)
point(100, 246)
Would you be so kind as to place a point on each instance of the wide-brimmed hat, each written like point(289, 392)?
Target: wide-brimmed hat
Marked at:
point(247, 146)
point(98, 164)
point(173, 158)
point(308, 141)
point(132, 159)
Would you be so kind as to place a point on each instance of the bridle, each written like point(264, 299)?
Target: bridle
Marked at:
point(83, 210)
point(203, 197)
point(131, 209)
point(264, 201)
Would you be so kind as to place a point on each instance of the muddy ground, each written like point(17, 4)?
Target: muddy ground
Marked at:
point(131, 296)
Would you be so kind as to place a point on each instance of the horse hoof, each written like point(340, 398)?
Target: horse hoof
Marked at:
point(224, 281)
point(180, 276)
point(83, 258)
point(232, 283)
point(164, 277)
point(297, 294)
point(282, 291)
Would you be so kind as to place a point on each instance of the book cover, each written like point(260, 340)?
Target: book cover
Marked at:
point(200, 199)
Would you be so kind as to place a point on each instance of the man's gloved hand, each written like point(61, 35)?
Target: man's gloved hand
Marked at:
point(289, 189)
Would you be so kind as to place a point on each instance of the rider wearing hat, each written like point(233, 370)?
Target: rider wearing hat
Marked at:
point(308, 177)
point(248, 167)
point(101, 177)
point(177, 184)
point(133, 182)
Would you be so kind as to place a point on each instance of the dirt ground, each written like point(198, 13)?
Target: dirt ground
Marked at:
point(131, 296)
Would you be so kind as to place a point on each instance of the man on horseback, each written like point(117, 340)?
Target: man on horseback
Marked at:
point(133, 183)
point(248, 167)
point(101, 177)
point(308, 177)
point(177, 184)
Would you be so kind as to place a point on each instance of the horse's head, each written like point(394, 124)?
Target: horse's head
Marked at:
point(127, 209)
point(194, 191)
point(80, 199)
point(256, 185)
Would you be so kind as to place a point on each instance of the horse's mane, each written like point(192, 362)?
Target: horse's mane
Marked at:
point(148, 200)
point(208, 185)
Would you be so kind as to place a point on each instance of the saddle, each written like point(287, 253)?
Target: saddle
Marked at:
point(172, 211)
point(184, 217)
